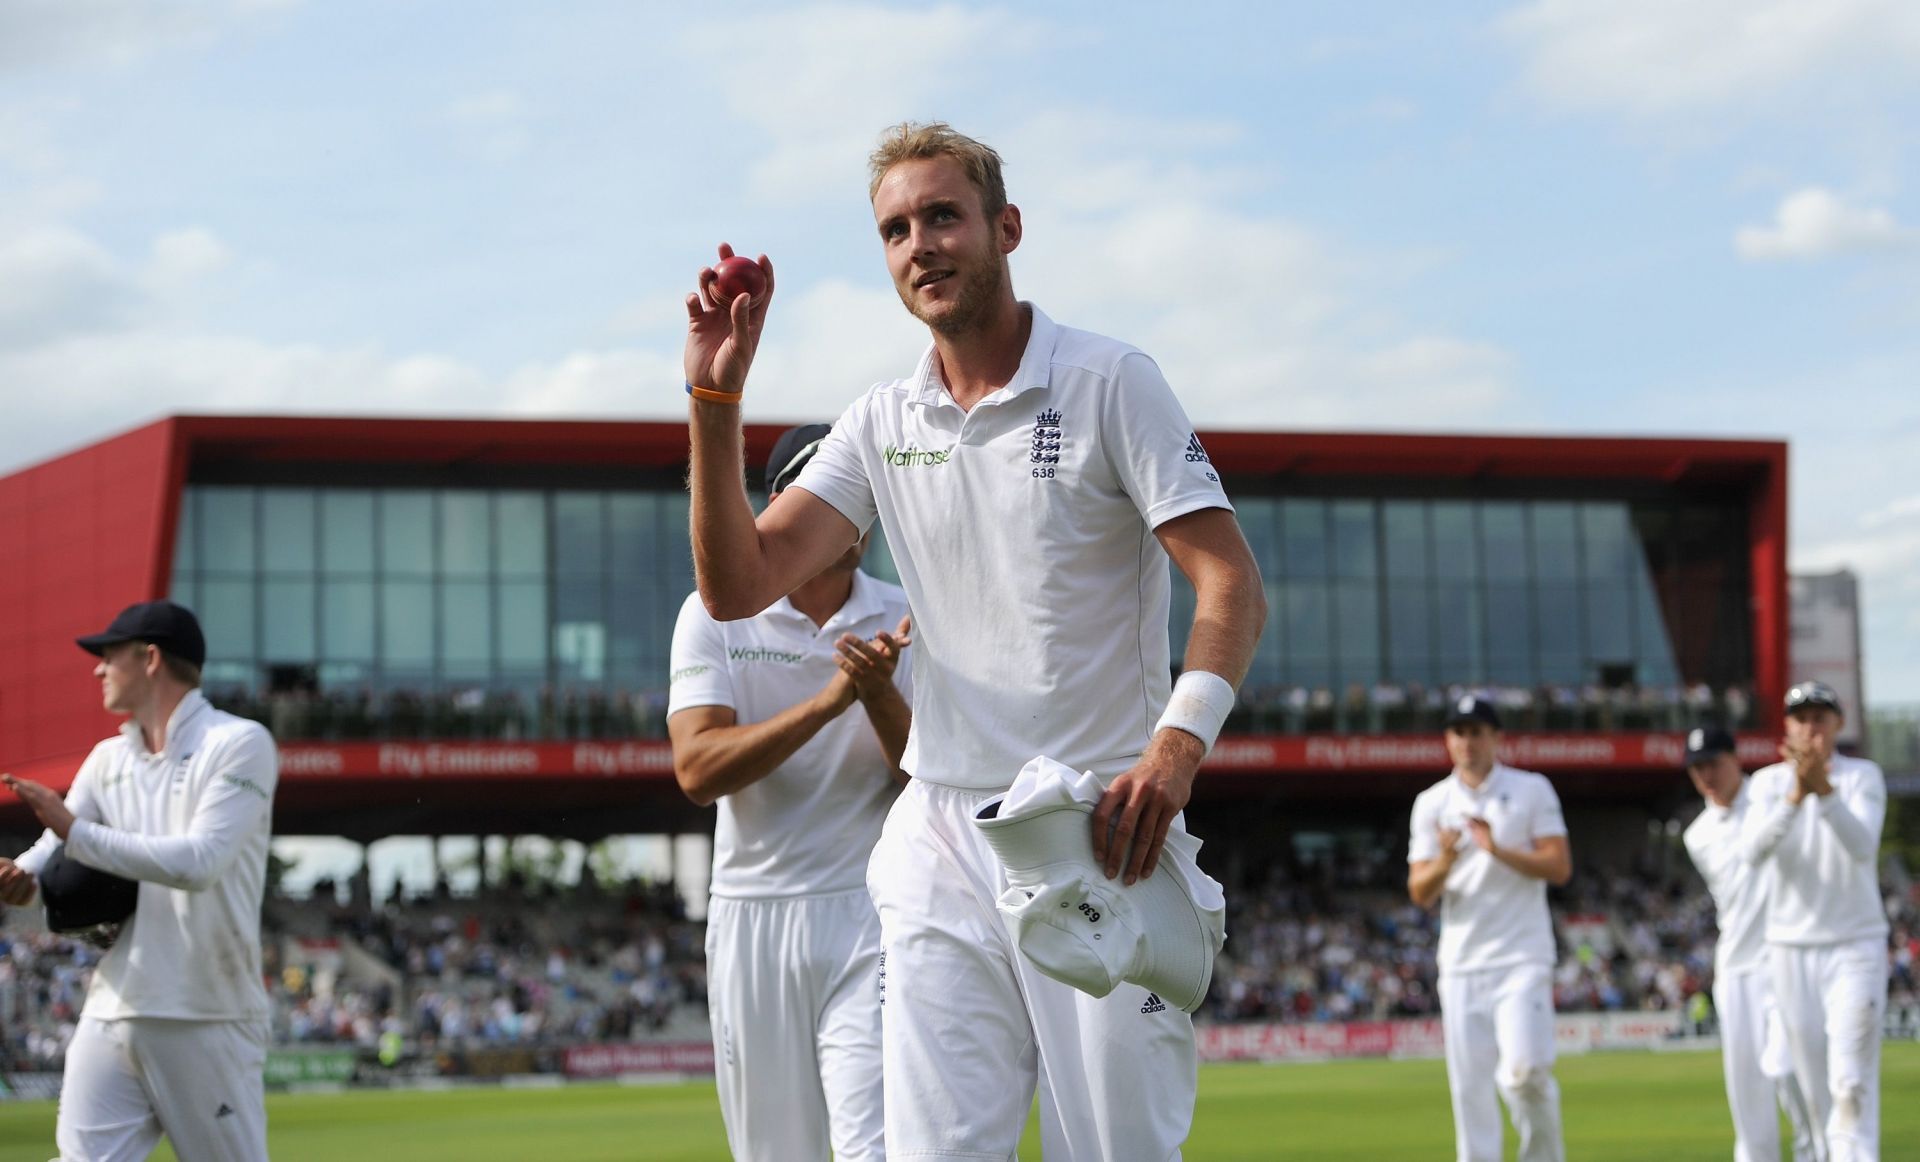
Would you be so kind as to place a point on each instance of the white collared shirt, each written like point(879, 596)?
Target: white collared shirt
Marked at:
point(1023, 531)
point(192, 824)
point(1490, 915)
point(1820, 860)
point(808, 827)
point(1738, 889)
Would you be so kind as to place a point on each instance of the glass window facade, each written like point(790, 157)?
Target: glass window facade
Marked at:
point(1579, 614)
point(437, 612)
point(365, 612)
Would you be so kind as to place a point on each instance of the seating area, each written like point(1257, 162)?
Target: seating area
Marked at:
point(538, 969)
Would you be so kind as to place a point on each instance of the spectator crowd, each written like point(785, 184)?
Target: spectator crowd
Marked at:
point(518, 967)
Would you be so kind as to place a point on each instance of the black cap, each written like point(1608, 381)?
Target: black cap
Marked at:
point(1473, 708)
point(1703, 742)
point(1814, 694)
point(172, 627)
point(78, 896)
point(791, 452)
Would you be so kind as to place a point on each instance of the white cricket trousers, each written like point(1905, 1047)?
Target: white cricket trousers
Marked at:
point(1833, 999)
point(971, 1027)
point(1759, 1070)
point(1498, 1025)
point(201, 1083)
point(793, 992)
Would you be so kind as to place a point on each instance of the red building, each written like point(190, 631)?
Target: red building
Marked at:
point(460, 626)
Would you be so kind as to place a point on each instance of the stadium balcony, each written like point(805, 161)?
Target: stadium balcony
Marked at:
point(592, 713)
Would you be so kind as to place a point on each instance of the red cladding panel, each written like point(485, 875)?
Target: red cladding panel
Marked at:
point(83, 536)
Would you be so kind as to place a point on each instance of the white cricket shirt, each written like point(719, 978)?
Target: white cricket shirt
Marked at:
point(808, 827)
point(1738, 889)
point(1490, 915)
point(1023, 531)
point(1820, 861)
point(192, 824)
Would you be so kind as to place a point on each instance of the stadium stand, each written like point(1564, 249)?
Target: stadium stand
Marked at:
point(447, 975)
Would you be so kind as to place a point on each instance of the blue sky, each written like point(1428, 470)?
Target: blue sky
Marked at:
point(1589, 216)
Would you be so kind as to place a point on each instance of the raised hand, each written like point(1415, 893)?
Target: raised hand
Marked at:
point(1810, 771)
point(722, 336)
point(47, 805)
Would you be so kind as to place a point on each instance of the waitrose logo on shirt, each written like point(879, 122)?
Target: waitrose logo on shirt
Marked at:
point(912, 457)
point(763, 654)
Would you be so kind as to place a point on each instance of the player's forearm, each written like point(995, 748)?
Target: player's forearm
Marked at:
point(1554, 865)
point(1427, 880)
point(724, 759)
point(1230, 609)
point(1860, 837)
point(729, 563)
point(1769, 825)
point(191, 863)
point(892, 718)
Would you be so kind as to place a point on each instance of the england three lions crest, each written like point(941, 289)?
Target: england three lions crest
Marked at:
point(1044, 454)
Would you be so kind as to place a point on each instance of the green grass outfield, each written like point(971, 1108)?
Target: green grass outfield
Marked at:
point(1628, 1107)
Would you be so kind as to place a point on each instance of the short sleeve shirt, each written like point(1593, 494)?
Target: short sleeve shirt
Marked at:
point(1023, 532)
point(1490, 915)
point(808, 827)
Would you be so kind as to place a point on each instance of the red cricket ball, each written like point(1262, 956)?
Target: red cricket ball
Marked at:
point(738, 276)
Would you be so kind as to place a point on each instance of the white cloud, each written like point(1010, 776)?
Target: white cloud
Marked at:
point(184, 256)
point(1659, 57)
point(1905, 507)
point(40, 33)
point(1257, 320)
point(55, 281)
point(1816, 223)
point(823, 80)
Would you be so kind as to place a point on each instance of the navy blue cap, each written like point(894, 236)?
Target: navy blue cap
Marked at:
point(791, 452)
point(1473, 708)
point(172, 627)
point(78, 896)
point(1703, 742)
point(1814, 694)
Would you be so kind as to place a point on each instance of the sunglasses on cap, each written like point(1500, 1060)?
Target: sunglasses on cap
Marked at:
point(791, 472)
point(1813, 694)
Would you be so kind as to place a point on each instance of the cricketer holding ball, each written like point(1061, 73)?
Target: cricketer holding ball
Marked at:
point(1486, 841)
point(1033, 481)
point(1753, 1044)
point(762, 714)
point(173, 1036)
point(1814, 833)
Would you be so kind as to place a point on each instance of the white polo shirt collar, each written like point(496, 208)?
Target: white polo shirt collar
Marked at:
point(1489, 786)
point(184, 714)
point(929, 388)
point(862, 603)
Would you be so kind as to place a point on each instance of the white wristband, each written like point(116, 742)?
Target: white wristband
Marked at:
point(1199, 705)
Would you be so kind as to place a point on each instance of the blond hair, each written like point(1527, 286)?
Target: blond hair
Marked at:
point(180, 669)
point(922, 140)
